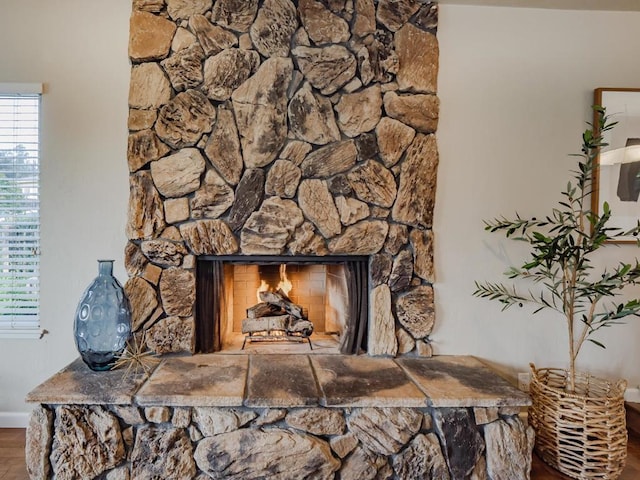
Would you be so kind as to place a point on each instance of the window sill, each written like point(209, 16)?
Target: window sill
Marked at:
point(25, 333)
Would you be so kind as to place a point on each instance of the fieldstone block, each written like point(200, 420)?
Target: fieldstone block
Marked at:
point(177, 290)
point(150, 36)
point(384, 430)
point(296, 151)
point(393, 139)
point(211, 201)
point(419, 111)
point(406, 342)
point(330, 160)
point(209, 237)
point(172, 335)
point(167, 253)
point(144, 147)
point(263, 125)
point(423, 458)
point(162, 453)
point(396, 239)
point(185, 118)
point(461, 441)
point(149, 87)
point(321, 24)
point(418, 54)
point(157, 414)
point(401, 271)
point(359, 112)
point(227, 70)
point(364, 465)
point(268, 230)
point(142, 300)
point(283, 179)
point(212, 38)
point(311, 117)
point(141, 119)
point(317, 421)
point(382, 336)
point(362, 238)
point(316, 202)
point(275, 454)
point(182, 9)
point(351, 210)
point(38, 442)
point(235, 14)
point(214, 421)
point(176, 209)
point(146, 215)
point(365, 18)
point(223, 147)
point(416, 311)
point(393, 14)
point(416, 194)
point(270, 41)
point(326, 68)
point(184, 68)
point(87, 442)
point(373, 183)
point(270, 416)
point(343, 445)
point(509, 446)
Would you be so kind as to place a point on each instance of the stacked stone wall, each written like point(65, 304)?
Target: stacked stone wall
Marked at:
point(356, 443)
point(274, 127)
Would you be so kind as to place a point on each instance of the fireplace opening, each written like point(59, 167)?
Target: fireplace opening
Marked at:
point(265, 304)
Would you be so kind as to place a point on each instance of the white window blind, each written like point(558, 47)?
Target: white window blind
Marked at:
point(19, 210)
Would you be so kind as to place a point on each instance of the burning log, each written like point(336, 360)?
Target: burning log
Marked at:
point(276, 317)
point(263, 309)
point(281, 300)
point(267, 324)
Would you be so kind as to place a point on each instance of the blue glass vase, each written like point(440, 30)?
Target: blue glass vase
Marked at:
point(102, 323)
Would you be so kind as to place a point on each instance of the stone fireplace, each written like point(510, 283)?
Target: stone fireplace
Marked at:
point(315, 138)
point(266, 134)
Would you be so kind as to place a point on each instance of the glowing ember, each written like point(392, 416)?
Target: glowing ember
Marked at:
point(285, 284)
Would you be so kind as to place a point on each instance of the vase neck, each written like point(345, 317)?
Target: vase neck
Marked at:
point(105, 267)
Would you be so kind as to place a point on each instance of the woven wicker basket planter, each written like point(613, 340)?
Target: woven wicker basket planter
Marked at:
point(583, 434)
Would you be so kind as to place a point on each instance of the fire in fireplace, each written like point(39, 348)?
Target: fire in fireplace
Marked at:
point(276, 317)
point(242, 299)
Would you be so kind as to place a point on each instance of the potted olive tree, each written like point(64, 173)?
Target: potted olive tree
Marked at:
point(579, 419)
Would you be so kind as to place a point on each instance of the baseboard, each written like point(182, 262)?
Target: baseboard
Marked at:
point(632, 395)
point(14, 419)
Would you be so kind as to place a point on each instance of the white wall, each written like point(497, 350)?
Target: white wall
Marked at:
point(515, 86)
point(78, 49)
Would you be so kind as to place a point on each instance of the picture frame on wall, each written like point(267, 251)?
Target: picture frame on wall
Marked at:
point(617, 176)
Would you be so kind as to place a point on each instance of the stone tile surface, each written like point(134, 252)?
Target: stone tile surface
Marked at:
point(284, 380)
point(364, 381)
point(78, 384)
point(461, 381)
point(281, 381)
point(199, 381)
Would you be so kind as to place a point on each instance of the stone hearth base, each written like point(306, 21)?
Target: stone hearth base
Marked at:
point(281, 417)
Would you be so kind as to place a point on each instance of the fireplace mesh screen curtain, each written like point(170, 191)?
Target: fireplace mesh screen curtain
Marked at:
point(19, 210)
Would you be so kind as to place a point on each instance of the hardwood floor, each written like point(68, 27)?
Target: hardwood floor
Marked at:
point(12, 466)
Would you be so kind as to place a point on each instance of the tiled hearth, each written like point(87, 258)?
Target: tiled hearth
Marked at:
point(281, 417)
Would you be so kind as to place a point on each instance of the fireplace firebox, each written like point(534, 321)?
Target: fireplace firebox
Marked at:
point(293, 295)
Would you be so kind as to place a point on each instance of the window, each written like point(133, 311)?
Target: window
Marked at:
point(19, 210)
